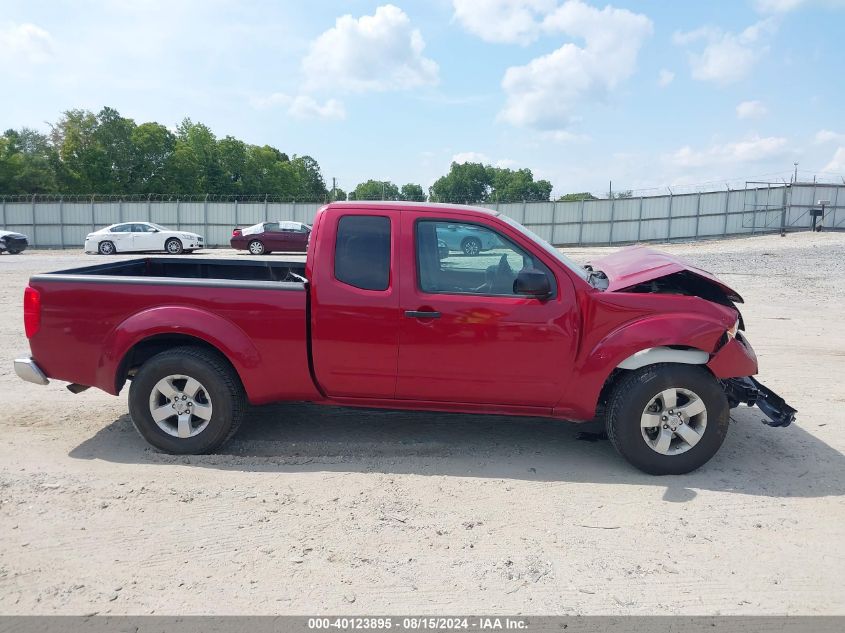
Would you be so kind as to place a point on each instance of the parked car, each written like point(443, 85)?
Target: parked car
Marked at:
point(376, 318)
point(466, 238)
point(12, 243)
point(139, 237)
point(265, 237)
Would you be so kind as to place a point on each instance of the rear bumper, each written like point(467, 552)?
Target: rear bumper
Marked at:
point(26, 369)
point(750, 391)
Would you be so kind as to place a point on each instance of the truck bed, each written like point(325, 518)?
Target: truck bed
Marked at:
point(192, 269)
point(255, 312)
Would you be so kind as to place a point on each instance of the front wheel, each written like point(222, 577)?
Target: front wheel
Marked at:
point(186, 400)
point(668, 419)
point(471, 246)
point(173, 246)
point(106, 248)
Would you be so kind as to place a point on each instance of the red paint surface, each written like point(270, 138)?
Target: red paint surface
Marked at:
point(515, 355)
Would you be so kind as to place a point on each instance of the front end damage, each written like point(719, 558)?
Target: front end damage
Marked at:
point(642, 270)
point(748, 390)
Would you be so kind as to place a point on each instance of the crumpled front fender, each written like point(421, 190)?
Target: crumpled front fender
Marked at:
point(734, 359)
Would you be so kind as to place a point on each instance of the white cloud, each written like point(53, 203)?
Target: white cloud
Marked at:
point(777, 6)
point(503, 21)
point(837, 163)
point(544, 93)
point(372, 53)
point(751, 110)
point(665, 78)
point(301, 106)
point(25, 44)
point(478, 157)
point(726, 57)
point(829, 136)
point(752, 149)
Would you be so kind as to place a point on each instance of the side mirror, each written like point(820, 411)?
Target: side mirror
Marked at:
point(533, 283)
point(154, 230)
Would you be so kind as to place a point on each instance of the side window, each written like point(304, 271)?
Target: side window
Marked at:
point(362, 251)
point(121, 228)
point(456, 258)
point(271, 227)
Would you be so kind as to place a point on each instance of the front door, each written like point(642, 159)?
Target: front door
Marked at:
point(464, 335)
point(354, 304)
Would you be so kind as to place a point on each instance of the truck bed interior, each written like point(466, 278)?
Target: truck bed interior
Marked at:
point(196, 268)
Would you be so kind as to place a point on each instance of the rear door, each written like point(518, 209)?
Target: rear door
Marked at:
point(464, 335)
point(121, 236)
point(355, 302)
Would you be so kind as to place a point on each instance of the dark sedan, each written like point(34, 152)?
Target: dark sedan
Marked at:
point(13, 243)
point(266, 237)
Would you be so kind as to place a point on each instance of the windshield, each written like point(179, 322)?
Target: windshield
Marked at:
point(551, 250)
point(157, 226)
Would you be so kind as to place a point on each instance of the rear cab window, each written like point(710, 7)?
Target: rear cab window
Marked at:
point(362, 252)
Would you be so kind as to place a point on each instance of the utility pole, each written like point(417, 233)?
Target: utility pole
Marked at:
point(795, 178)
point(334, 187)
point(382, 189)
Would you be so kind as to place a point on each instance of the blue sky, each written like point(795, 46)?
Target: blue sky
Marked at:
point(647, 94)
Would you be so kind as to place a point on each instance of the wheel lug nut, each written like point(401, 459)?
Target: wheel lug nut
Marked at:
point(665, 426)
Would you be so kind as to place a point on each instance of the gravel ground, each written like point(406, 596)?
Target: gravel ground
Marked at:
point(323, 510)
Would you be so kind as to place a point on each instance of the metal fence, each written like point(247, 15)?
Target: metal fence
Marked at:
point(58, 223)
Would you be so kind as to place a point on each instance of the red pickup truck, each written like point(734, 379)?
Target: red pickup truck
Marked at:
point(380, 315)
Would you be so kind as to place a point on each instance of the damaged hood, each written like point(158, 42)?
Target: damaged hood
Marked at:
point(639, 264)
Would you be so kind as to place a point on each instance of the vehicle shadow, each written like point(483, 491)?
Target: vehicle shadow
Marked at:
point(300, 437)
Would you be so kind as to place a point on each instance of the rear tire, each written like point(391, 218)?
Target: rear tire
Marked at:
point(14, 251)
point(256, 247)
point(210, 413)
point(638, 418)
point(106, 248)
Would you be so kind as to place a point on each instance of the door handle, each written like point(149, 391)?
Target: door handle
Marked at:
point(422, 314)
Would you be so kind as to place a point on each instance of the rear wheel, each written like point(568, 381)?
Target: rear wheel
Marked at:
point(256, 247)
point(14, 251)
point(106, 248)
point(668, 419)
point(186, 400)
point(173, 246)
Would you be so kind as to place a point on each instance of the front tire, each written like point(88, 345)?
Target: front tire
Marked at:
point(668, 419)
point(106, 248)
point(471, 246)
point(173, 246)
point(186, 400)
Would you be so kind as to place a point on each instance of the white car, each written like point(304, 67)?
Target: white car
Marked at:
point(141, 236)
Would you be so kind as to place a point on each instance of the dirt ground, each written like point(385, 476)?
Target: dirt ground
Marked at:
point(321, 510)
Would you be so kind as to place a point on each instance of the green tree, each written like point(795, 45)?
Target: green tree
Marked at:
point(517, 186)
point(154, 147)
point(375, 190)
point(233, 163)
point(308, 181)
point(84, 163)
point(412, 192)
point(474, 182)
point(465, 183)
point(198, 140)
point(337, 194)
point(574, 197)
point(27, 163)
point(113, 138)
